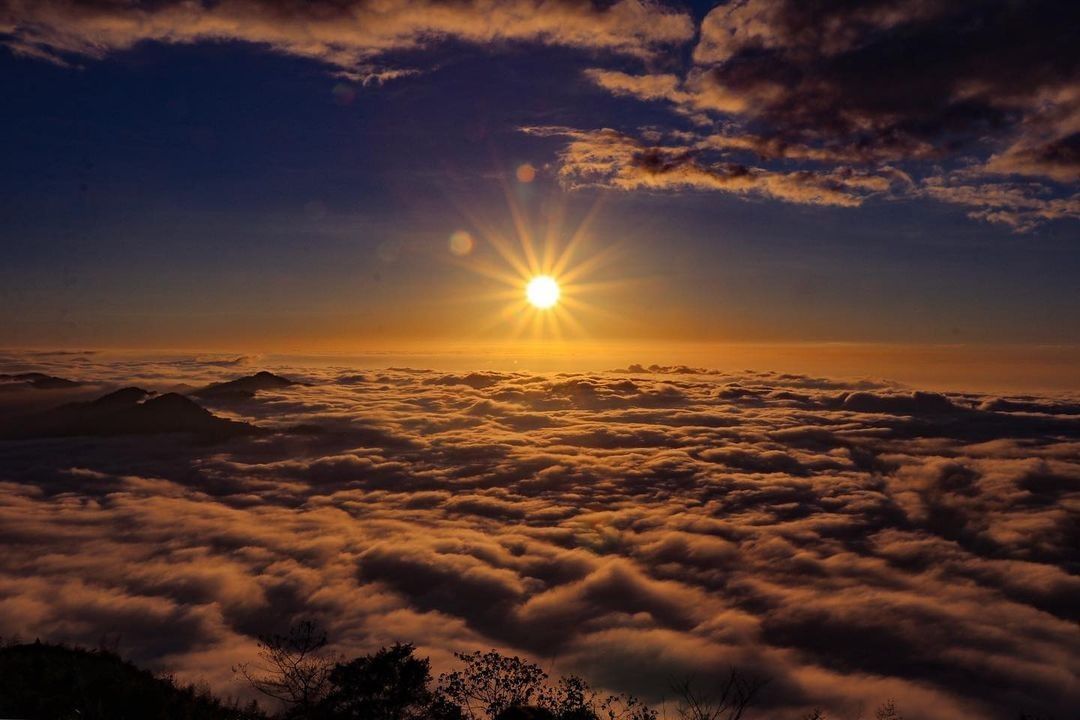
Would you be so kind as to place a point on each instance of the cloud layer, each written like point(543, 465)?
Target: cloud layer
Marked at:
point(854, 541)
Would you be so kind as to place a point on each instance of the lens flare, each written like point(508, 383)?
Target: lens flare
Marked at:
point(542, 292)
point(525, 173)
point(461, 243)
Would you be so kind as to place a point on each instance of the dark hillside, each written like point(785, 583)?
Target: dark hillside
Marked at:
point(55, 682)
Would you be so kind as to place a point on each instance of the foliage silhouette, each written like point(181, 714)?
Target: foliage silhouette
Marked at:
point(55, 682)
point(525, 713)
point(293, 669)
point(498, 687)
point(571, 698)
point(391, 684)
point(728, 699)
point(490, 683)
point(888, 711)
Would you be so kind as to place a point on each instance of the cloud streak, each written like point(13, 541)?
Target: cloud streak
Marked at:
point(608, 158)
point(352, 36)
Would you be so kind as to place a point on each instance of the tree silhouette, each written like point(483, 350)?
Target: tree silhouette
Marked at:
point(293, 669)
point(571, 698)
point(518, 712)
point(888, 711)
point(490, 683)
point(391, 684)
point(728, 700)
point(68, 683)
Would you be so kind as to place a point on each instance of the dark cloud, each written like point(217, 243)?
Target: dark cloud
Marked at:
point(833, 102)
point(917, 403)
point(893, 78)
point(853, 541)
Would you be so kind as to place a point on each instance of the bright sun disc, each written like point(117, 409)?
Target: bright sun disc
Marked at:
point(542, 291)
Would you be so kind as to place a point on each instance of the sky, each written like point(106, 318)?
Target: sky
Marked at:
point(289, 177)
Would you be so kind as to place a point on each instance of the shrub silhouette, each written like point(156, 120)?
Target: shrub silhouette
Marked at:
point(886, 711)
point(726, 699)
point(491, 683)
point(54, 682)
point(498, 687)
point(525, 713)
point(572, 699)
point(391, 684)
point(292, 669)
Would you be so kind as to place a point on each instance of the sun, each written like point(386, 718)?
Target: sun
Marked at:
point(542, 292)
point(550, 276)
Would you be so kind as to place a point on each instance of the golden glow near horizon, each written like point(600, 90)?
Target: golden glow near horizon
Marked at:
point(542, 291)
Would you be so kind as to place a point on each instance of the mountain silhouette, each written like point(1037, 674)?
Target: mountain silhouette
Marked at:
point(130, 411)
point(35, 381)
point(244, 388)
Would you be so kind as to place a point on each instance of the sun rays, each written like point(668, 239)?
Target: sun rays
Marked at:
point(550, 274)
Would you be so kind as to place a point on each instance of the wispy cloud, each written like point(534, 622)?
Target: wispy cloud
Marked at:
point(608, 158)
point(352, 36)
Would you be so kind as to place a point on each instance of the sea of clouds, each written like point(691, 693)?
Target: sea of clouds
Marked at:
point(853, 542)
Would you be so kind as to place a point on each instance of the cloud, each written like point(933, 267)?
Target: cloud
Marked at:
point(1022, 206)
point(851, 540)
point(890, 88)
point(608, 158)
point(352, 36)
point(892, 75)
point(827, 103)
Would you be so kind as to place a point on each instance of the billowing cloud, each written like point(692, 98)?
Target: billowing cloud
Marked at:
point(851, 540)
point(892, 76)
point(987, 88)
point(351, 36)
